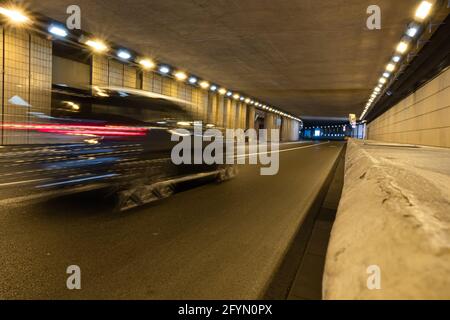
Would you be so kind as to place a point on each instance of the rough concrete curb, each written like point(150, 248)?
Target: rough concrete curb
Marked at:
point(395, 216)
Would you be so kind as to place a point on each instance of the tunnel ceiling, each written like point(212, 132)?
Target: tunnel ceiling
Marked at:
point(307, 57)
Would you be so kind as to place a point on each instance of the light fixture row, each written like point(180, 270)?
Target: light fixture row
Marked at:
point(58, 31)
point(422, 13)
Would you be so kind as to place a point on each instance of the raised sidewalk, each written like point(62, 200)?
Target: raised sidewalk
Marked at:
point(394, 214)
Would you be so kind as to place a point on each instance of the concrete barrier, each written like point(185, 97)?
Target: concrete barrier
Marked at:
point(391, 237)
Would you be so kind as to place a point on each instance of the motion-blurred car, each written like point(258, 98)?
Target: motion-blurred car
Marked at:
point(113, 138)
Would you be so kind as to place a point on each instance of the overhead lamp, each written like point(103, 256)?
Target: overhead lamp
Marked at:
point(147, 63)
point(390, 67)
point(97, 45)
point(396, 58)
point(236, 96)
point(164, 69)
point(386, 75)
point(192, 80)
point(402, 47)
point(123, 54)
point(213, 88)
point(412, 30)
point(180, 75)
point(241, 98)
point(423, 10)
point(229, 94)
point(14, 15)
point(204, 84)
point(58, 31)
point(247, 100)
point(382, 80)
point(377, 89)
point(222, 91)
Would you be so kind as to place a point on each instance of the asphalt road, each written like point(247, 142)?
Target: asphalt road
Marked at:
point(214, 241)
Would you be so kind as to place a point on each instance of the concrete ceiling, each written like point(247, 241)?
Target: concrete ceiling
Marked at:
point(307, 57)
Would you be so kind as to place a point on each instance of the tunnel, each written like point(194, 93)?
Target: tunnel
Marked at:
point(246, 150)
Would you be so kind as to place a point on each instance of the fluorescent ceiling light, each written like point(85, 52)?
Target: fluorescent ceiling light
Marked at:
point(14, 15)
point(192, 80)
point(58, 31)
point(97, 45)
point(164, 69)
point(147, 63)
point(423, 10)
point(412, 31)
point(204, 84)
point(180, 75)
point(390, 67)
point(402, 47)
point(123, 54)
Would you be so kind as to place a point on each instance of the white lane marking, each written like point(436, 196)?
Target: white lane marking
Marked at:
point(19, 182)
point(283, 150)
point(293, 142)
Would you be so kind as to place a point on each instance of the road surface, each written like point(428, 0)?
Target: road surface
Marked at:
point(214, 241)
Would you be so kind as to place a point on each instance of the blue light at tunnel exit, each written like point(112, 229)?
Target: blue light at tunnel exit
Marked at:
point(317, 133)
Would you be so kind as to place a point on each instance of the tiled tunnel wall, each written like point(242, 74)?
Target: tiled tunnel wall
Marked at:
point(421, 118)
point(205, 105)
point(26, 62)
